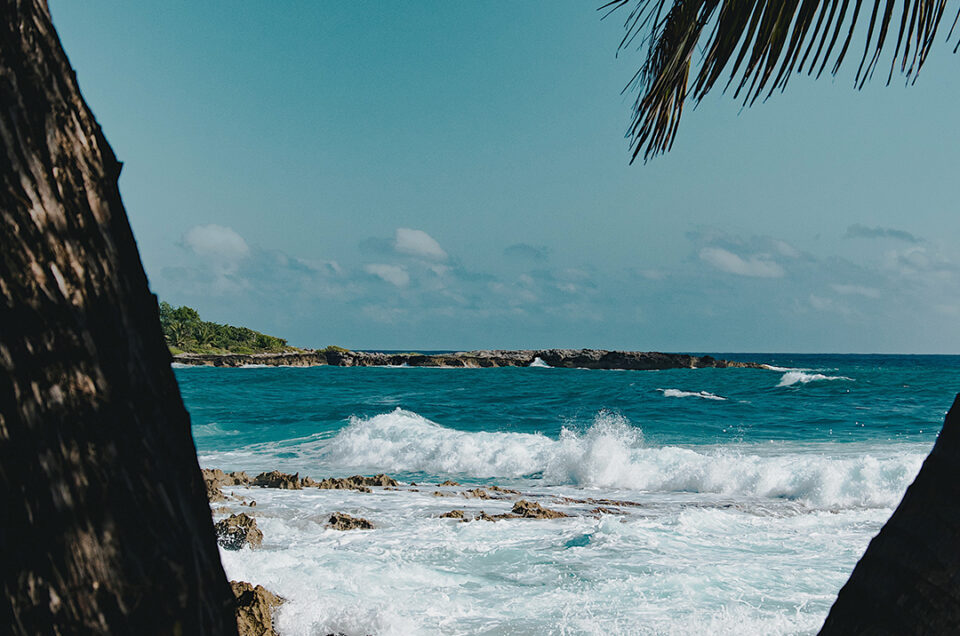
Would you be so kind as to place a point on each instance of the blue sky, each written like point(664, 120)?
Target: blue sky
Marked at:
point(441, 175)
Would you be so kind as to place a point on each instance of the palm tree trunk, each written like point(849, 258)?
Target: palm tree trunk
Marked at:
point(908, 580)
point(104, 524)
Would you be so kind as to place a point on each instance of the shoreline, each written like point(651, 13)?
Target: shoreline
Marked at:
point(557, 358)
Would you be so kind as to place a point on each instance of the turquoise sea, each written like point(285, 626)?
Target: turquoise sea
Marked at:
point(750, 493)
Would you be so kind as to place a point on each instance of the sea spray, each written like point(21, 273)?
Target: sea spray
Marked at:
point(610, 453)
point(748, 513)
point(677, 393)
point(791, 378)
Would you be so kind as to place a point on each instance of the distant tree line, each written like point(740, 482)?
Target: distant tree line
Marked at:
point(187, 333)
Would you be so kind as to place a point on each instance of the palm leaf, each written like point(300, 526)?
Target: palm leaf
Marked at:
point(762, 43)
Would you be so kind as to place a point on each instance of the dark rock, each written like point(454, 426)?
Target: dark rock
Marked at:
point(357, 482)
point(238, 530)
point(254, 609)
point(276, 479)
point(341, 521)
point(453, 514)
point(533, 510)
point(449, 482)
point(506, 491)
point(440, 493)
point(105, 525)
point(569, 358)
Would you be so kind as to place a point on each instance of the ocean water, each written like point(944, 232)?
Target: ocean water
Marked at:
point(751, 493)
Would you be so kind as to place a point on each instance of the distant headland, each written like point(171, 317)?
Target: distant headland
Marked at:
point(186, 332)
point(563, 358)
point(197, 342)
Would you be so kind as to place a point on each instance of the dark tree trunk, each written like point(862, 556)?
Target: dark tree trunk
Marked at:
point(908, 580)
point(104, 524)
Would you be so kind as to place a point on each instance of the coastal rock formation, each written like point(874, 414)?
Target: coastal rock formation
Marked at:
point(533, 510)
point(453, 514)
point(566, 358)
point(214, 479)
point(523, 509)
point(219, 478)
point(238, 530)
point(105, 524)
point(214, 494)
point(254, 609)
point(477, 493)
point(341, 521)
point(357, 482)
point(276, 479)
point(907, 580)
point(449, 482)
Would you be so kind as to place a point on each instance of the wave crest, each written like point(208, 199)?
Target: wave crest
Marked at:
point(706, 395)
point(611, 453)
point(802, 377)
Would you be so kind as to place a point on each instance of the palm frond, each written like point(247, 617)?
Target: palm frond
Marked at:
point(763, 43)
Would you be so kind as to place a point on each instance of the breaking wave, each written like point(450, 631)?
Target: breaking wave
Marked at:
point(802, 377)
point(611, 453)
point(706, 395)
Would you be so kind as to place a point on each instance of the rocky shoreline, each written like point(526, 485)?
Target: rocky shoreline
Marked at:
point(255, 605)
point(562, 358)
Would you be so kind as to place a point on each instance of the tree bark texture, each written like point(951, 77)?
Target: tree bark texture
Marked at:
point(104, 522)
point(908, 580)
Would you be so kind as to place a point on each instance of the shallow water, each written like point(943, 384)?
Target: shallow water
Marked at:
point(757, 490)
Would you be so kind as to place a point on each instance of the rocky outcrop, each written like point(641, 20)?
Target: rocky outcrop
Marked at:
point(276, 479)
point(254, 609)
point(219, 478)
point(357, 482)
point(907, 580)
point(453, 514)
point(341, 521)
point(105, 522)
point(477, 493)
point(238, 530)
point(523, 509)
point(533, 510)
point(214, 479)
point(449, 482)
point(566, 358)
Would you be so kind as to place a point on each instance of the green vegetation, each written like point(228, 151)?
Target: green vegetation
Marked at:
point(187, 333)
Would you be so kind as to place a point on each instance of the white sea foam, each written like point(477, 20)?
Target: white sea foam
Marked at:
point(610, 454)
point(801, 377)
point(700, 394)
point(771, 367)
point(539, 363)
point(180, 365)
point(670, 569)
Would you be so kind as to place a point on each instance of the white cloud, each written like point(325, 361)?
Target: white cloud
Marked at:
point(418, 243)
point(856, 290)
point(826, 304)
point(393, 274)
point(758, 266)
point(216, 242)
point(786, 249)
